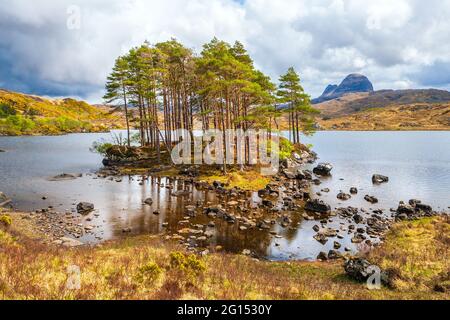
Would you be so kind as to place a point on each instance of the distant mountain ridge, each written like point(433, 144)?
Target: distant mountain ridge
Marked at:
point(353, 83)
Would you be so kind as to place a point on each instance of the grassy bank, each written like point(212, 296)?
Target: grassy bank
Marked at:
point(148, 268)
point(22, 114)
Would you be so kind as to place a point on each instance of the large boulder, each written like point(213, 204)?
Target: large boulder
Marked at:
point(316, 205)
point(413, 210)
point(360, 269)
point(323, 169)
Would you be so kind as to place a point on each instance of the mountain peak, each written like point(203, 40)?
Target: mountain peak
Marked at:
point(353, 83)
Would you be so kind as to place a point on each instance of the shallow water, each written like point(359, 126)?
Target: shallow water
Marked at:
point(418, 164)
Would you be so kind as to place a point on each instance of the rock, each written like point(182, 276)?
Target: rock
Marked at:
point(344, 196)
point(322, 256)
point(323, 169)
point(358, 238)
point(317, 205)
point(358, 218)
point(303, 175)
point(360, 270)
point(63, 176)
point(85, 208)
point(246, 252)
point(156, 212)
point(423, 207)
point(69, 242)
point(316, 228)
point(378, 178)
point(353, 190)
point(148, 201)
point(321, 238)
point(328, 232)
point(371, 199)
point(336, 245)
point(334, 255)
point(413, 202)
point(1, 150)
point(405, 209)
point(268, 203)
point(347, 212)
point(242, 228)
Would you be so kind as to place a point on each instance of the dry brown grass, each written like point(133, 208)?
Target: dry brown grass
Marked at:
point(407, 117)
point(147, 268)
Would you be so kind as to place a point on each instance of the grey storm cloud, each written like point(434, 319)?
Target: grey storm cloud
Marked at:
point(397, 44)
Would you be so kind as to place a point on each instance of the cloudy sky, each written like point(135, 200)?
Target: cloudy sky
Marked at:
point(45, 49)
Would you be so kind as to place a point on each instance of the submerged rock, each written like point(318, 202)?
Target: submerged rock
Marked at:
point(63, 176)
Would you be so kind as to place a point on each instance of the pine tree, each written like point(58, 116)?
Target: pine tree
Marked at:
point(116, 89)
point(300, 112)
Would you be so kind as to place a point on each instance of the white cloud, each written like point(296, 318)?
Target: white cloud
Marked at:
point(395, 43)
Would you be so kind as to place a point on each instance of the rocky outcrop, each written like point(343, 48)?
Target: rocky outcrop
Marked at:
point(415, 209)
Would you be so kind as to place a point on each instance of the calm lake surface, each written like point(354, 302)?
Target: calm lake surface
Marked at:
point(417, 163)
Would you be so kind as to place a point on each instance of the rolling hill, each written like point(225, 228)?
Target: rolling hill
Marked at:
point(22, 114)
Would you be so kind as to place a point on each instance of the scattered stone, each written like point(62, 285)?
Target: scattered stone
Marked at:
point(371, 199)
point(353, 190)
point(85, 208)
point(148, 201)
point(317, 205)
point(322, 256)
point(336, 245)
point(126, 230)
point(358, 218)
point(344, 196)
point(334, 255)
point(378, 178)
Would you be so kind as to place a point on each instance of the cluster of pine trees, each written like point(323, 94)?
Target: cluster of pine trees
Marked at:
point(166, 86)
